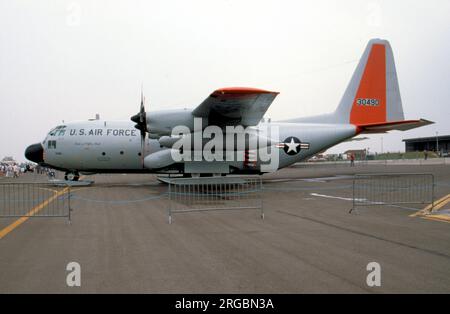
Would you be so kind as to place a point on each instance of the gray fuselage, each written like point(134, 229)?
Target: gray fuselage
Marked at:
point(99, 146)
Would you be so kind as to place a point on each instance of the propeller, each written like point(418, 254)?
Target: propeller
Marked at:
point(141, 123)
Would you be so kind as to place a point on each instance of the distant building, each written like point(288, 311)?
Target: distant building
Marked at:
point(360, 154)
point(428, 143)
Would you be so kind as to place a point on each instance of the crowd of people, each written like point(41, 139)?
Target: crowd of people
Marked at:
point(14, 170)
point(11, 170)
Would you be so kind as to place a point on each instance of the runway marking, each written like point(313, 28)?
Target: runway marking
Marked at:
point(32, 212)
point(440, 218)
point(337, 197)
point(432, 213)
point(440, 205)
point(365, 200)
point(437, 205)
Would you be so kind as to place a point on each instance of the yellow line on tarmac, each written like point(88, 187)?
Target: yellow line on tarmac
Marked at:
point(432, 213)
point(437, 205)
point(442, 218)
point(32, 212)
point(441, 204)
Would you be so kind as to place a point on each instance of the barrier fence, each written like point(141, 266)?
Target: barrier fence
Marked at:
point(221, 193)
point(393, 189)
point(33, 199)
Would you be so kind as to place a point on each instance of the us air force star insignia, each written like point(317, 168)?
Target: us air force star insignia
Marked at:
point(293, 145)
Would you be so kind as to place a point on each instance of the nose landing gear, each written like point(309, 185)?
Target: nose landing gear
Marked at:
point(71, 176)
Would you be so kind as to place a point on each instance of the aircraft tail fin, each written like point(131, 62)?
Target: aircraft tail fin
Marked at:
point(372, 99)
point(373, 95)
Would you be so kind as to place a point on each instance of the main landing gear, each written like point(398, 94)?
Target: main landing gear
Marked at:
point(71, 176)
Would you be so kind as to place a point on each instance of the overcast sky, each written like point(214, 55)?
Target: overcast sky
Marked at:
point(68, 60)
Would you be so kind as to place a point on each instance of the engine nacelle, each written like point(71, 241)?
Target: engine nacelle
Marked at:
point(168, 141)
point(159, 159)
point(162, 122)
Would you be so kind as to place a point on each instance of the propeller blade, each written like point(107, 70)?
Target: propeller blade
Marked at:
point(141, 123)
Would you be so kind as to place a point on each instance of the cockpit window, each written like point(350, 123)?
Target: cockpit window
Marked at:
point(52, 132)
point(60, 130)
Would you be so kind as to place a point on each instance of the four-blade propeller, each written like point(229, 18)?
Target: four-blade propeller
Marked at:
point(141, 123)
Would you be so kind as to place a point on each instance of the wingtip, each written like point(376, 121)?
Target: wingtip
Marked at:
point(243, 90)
point(426, 122)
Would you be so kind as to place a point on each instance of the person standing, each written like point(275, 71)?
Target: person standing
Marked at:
point(9, 171)
point(16, 171)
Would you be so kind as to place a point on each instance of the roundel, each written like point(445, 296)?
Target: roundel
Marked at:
point(292, 145)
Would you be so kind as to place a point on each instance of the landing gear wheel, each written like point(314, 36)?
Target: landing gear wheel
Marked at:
point(71, 176)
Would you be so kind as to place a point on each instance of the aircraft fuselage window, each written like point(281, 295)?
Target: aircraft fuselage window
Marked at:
point(51, 144)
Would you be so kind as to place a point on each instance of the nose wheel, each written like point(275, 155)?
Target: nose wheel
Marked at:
point(71, 176)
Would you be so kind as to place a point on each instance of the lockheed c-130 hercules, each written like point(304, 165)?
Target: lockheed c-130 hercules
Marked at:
point(371, 104)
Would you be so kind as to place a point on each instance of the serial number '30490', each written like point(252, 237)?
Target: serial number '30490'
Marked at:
point(367, 102)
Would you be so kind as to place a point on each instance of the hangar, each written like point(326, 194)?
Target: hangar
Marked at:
point(428, 143)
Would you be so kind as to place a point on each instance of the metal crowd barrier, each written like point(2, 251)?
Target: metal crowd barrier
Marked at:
point(32, 199)
point(214, 193)
point(393, 189)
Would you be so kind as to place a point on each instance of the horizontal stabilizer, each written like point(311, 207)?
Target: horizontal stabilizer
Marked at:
point(357, 139)
point(403, 125)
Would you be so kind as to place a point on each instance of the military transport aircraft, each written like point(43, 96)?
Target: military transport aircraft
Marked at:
point(371, 104)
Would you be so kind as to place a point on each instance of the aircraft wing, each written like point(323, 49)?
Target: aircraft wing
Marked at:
point(235, 105)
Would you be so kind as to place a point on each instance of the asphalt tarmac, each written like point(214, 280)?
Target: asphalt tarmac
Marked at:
point(308, 241)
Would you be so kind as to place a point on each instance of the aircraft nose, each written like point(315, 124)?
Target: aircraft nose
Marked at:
point(35, 153)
